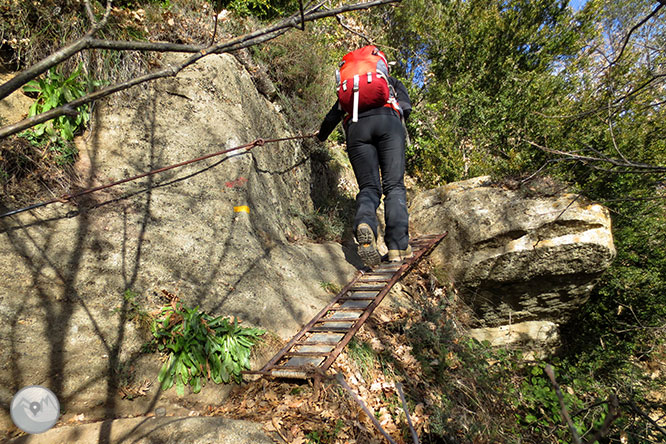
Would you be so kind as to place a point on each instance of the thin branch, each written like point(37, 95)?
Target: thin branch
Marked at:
point(635, 27)
point(565, 413)
point(615, 103)
point(88, 42)
point(89, 11)
point(341, 380)
point(105, 18)
point(635, 408)
point(612, 134)
point(300, 7)
point(536, 173)
point(244, 41)
point(613, 414)
point(415, 436)
point(635, 91)
point(57, 57)
point(349, 29)
point(642, 167)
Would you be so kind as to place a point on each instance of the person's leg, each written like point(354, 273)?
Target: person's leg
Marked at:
point(365, 163)
point(363, 157)
point(390, 142)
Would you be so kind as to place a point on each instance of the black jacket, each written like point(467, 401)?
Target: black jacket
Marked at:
point(336, 114)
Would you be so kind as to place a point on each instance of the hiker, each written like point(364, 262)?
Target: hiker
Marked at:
point(371, 105)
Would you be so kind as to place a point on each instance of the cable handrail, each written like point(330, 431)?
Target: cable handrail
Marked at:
point(67, 197)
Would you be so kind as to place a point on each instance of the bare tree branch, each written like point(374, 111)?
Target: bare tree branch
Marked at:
point(613, 414)
point(635, 166)
point(565, 412)
point(636, 90)
point(57, 57)
point(341, 380)
point(345, 26)
point(631, 31)
point(89, 11)
point(615, 103)
point(415, 437)
point(635, 408)
point(244, 41)
point(612, 134)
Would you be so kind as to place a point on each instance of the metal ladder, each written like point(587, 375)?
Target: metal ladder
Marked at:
point(313, 349)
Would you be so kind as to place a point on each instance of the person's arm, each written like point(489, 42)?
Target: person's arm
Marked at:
point(331, 120)
point(402, 96)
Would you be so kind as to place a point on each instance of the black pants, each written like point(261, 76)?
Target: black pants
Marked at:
point(377, 143)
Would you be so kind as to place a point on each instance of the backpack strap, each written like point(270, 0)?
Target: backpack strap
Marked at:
point(356, 95)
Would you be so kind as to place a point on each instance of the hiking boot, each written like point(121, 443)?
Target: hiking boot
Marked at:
point(367, 247)
point(399, 255)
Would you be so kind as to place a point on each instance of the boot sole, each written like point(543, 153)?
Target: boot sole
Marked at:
point(367, 247)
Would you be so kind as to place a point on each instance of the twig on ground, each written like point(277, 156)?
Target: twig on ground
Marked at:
point(341, 380)
point(415, 436)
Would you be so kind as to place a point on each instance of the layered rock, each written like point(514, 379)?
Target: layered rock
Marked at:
point(517, 254)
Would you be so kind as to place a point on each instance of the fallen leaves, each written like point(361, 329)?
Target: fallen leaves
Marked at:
point(298, 413)
point(134, 391)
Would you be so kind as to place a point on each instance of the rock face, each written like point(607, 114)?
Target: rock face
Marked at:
point(15, 106)
point(538, 337)
point(151, 430)
point(517, 255)
point(64, 322)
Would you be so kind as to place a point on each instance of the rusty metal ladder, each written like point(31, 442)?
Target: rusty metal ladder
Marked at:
point(312, 350)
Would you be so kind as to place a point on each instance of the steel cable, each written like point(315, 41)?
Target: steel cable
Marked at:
point(67, 197)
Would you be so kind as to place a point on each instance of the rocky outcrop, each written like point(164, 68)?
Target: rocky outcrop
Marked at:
point(64, 322)
point(517, 254)
point(538, 338)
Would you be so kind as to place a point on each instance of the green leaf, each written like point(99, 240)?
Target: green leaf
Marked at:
point(66, 131)
point(164, 369)
point(180, 386)
point(32, 87)
point(196, 384)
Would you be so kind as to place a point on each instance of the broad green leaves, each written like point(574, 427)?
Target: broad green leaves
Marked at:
point(201, 347)
point(54, 90)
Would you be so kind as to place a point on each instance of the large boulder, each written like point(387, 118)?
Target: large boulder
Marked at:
point(522, 254)
point(64, 320)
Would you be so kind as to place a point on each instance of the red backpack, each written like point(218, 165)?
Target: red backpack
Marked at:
point(363, 82)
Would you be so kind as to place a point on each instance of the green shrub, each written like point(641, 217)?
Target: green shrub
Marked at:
point(54, 90)
point(201, 347)
point(303, 69)
point(261, 9)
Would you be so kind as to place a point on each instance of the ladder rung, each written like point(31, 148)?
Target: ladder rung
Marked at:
point(337, 320)
point(317, 343)
point(315, 354)
point(331, 329)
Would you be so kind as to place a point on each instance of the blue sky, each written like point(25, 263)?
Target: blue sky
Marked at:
point(577, 4)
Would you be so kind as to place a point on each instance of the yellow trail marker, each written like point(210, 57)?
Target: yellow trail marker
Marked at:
point(242, 209)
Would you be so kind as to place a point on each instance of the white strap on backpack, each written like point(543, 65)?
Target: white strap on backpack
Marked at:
point(356, 94)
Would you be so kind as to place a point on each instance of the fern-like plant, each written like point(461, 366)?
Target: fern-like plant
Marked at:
point(200, 347)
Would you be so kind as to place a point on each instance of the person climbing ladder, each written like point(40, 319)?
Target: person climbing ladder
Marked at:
point(372, 105)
